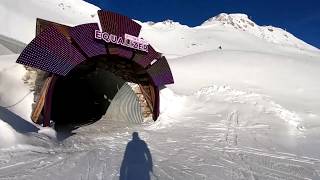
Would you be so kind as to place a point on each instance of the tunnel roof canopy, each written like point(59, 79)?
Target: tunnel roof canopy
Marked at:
point(59, 48)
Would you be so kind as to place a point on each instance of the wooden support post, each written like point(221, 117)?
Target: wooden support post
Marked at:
point(48, 103)
point(44, 102)
point(156, 107)
point(40, 102)
point(147, 96)
point(151, 94)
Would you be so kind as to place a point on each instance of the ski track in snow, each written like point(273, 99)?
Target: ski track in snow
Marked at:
point(206, 142)
point(218, 132)
point(215, 133)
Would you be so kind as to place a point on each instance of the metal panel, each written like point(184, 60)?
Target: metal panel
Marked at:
point(42, 24)
point(144, 59)
point(118, 24)
point(50, 51)
point(120, 51)
point(83, 35)
point(160, 72)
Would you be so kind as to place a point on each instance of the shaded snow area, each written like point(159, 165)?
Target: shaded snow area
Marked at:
point(247, 110)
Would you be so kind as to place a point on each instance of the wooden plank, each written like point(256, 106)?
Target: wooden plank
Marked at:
point(156, 110)
point(147, 97)
point(48, 102)
point(152, 94)
point(40, 103)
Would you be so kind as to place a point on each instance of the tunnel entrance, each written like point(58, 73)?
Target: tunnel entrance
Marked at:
point(84, 95)
point(79, 70)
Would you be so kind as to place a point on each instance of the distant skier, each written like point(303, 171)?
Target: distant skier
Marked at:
point(220, 48)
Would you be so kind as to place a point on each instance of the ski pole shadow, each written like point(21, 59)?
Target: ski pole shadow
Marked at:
point(137, 160)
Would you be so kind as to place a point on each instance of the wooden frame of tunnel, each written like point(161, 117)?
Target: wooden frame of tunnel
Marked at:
point(57, 49)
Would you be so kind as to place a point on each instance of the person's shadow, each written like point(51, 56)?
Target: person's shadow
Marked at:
point(137, 161)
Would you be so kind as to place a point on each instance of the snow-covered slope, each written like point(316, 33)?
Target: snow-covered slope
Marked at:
point(4, 50)
point(231, 32)
point(15, 102)
point(15, 95)
point(18, 17)
point(247, 111)
point(14, 46)
point(269, 33)
point(288, 80)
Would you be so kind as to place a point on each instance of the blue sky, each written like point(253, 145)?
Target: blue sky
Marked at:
point(300, 17)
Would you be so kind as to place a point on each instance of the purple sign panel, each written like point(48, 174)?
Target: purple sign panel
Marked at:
point(127, 41)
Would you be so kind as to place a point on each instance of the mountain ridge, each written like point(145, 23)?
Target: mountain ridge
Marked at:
point(242, 22)
point(17, 15)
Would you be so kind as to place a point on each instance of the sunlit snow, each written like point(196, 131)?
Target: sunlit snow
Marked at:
point(247, 110)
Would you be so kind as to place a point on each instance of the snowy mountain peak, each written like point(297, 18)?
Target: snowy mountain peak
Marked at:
point(17, 15)
point(167, 24)
point(238, 21)
point(148, 22)
point(269, 33)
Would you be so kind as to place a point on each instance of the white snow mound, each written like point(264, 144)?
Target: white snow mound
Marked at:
point(19, 17)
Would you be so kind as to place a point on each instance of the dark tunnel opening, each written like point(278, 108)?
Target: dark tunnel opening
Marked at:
point(83, 96)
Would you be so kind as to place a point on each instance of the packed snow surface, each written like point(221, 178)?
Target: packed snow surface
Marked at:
point(245, 105)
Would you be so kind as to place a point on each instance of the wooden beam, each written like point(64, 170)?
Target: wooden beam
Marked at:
point(147, 96)
point(40, 103)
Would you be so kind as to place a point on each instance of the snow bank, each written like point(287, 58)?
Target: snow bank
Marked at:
point(177, 108)
point(8, 136)
point(244, 69)
point(19, 17)
point(288, 85)
point(49, 132)
point(172, 107)
point(15, 102)
point(15, 95)
point(4, 50)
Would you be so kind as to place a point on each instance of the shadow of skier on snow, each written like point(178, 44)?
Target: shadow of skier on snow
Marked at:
point(137, 161)
point(16, 122)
